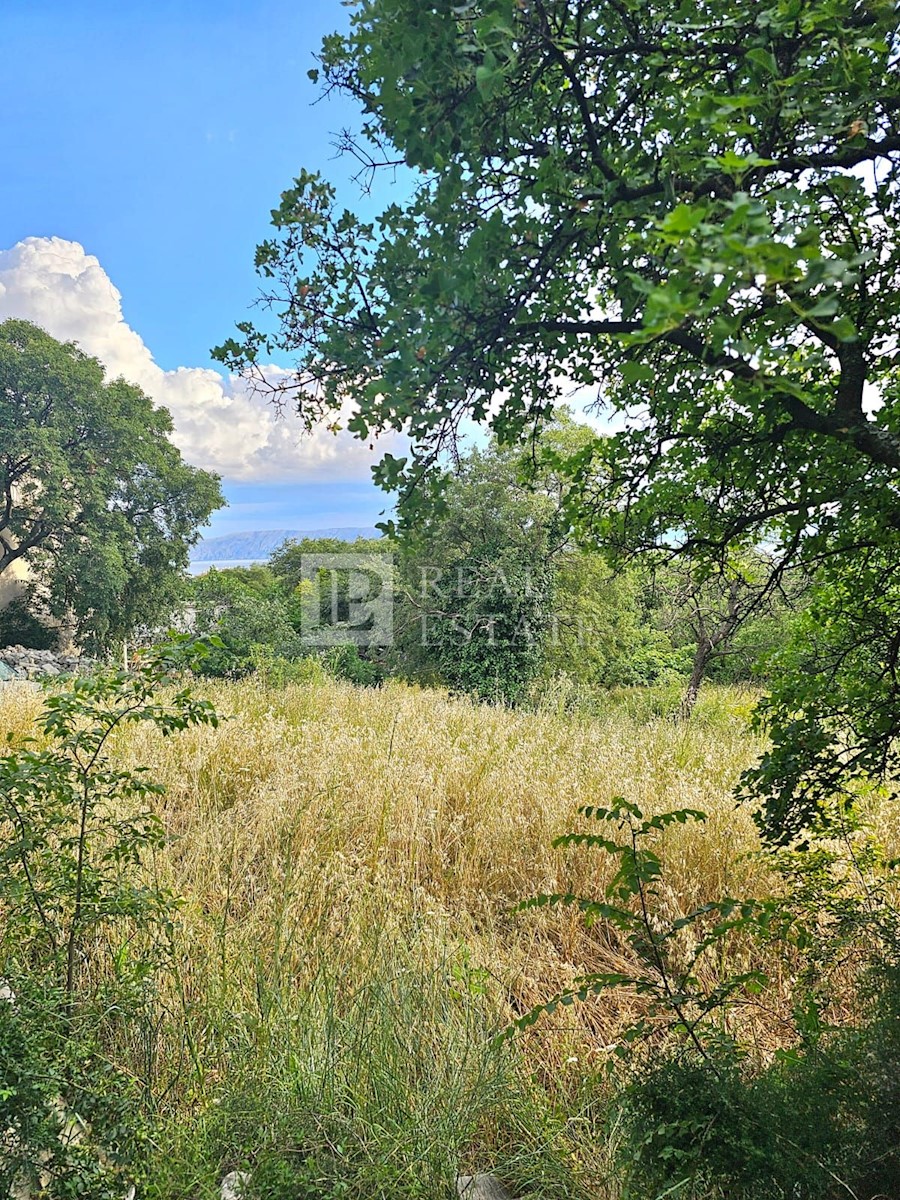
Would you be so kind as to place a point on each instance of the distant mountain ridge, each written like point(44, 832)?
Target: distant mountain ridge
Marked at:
point(260, 544)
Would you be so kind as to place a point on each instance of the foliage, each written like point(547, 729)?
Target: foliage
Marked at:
point(346, 662)
point(602, 634)
point(729, 617)
point(477, 581)
point(834, 709)
point(94, 496)
point(222, 586)
point(78, 825)
point(691, 211)
point(819, 1122)
point(495, 594)
point(245, 626)
point(545, 197)
point(702, 1115)
point(285, 563)
point(667, 954)
point(256, 614)
point(20, 627)
point(70, 1119)
point(77, 831)
point(699, 1127)
point(874, 1159)
point(325, 599)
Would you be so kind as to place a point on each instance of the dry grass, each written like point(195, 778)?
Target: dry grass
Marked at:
point(309, 804)
point(316, 814)
point(324, 832)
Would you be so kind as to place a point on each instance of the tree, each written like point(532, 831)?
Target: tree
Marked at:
point(242, 610)
point(477, 580)
point(691, 209)
point(495, 593)
point(94, 497)
point(218, 586)
point(740, 609)
point(286, 563)
point(833, 712)
point(600, 634)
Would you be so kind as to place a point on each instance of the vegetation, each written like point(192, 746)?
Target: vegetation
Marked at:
point(692, 213)
point(81, 923)
point(324, 1008)
point(357, 939)
point(94, 497)
point(477, 582)
point(493, 596)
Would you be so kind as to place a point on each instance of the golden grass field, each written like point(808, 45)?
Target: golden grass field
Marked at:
point(333, 842)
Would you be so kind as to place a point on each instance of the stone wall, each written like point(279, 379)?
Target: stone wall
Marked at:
point(35, 664)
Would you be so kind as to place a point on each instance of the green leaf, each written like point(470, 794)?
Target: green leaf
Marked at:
point(488, 80)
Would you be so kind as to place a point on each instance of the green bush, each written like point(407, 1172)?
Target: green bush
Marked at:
point(346, 662)
point(702, 1116)
point(20, 627)
point(875, 1153)
point(708, 1127)
point(243, 626)
point(71, 1120)
point(84, 928)
point(822, 1121)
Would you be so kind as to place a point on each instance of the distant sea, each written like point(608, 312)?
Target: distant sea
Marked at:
point(258, 545)
point(200, 567)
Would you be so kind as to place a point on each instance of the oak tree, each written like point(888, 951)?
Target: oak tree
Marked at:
point(94, 496)
point(689, 209)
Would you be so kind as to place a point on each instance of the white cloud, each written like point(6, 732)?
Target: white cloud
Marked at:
point(219, 423)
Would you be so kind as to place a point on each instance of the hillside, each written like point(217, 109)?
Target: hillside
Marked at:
point(259, 544)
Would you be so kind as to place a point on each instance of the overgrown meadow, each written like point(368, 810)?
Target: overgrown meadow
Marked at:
point(344, 950)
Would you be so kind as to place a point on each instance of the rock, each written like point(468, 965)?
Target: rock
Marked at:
point(481, 1187)
point(25, 663)
point(234, 1185)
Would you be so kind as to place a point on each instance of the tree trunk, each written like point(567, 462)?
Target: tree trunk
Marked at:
point(702, 655)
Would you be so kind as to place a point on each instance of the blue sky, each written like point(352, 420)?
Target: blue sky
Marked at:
point(157, 137)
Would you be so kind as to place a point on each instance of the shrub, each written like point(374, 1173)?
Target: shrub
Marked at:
point(709, 1127)
point(76, 832)
point(818, 1123)
point(346, 662)
point(71, 1121)
point(241, 628)
point(705, 1118)
point(20, 627)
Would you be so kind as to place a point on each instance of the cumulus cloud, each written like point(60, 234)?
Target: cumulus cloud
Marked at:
point(219, 423)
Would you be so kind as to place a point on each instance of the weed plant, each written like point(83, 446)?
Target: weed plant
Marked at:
point(345, 863)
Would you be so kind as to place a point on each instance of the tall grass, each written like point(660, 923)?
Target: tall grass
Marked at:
point(347, 860)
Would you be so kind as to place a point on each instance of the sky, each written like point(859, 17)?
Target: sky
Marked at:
point(144, 143)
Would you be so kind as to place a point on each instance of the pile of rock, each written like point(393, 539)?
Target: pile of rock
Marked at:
point(35, 664)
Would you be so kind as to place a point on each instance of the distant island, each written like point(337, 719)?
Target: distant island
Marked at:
point(258, 545)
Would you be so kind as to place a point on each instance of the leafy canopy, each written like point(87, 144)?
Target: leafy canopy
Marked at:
point(94, 497)
point(688, 208)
